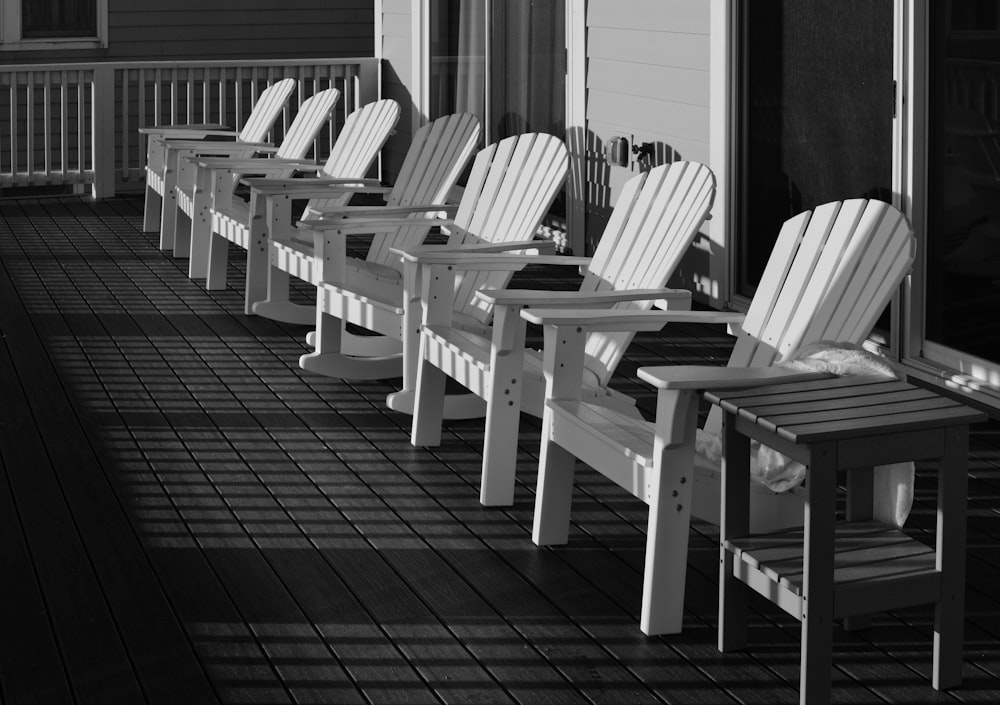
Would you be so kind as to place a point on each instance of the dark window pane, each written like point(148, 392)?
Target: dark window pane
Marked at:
point(58, 18)
point(817, 105)
point(963, 208)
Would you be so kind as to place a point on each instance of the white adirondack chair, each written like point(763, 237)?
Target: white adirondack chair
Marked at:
point(167, 143)
point(438, 153)
point(831, 274)
point(204, 183)
point(511, 187)
point(657, 216)
point(244, 224)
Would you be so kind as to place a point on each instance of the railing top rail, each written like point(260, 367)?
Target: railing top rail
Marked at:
point(171, 64)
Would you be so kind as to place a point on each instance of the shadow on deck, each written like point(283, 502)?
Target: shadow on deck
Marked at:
point(187, 517)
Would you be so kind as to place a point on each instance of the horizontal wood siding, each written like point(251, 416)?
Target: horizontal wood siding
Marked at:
point(647, 81)
point(218, 29)
point(397, 77)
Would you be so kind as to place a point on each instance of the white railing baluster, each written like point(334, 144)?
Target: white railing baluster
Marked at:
point(124, 124)
point(157, 98)
point(238, 83)
point(46, 121)
point(64, 123)
point(29, 131)
point(221, 80)
point(81, 127)
point(13, 128)
point(189, 97)
point(173, 96)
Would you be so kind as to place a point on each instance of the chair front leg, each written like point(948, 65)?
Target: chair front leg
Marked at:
point(217, 254)
point(201, 224)
point(153, 202)
point(258, 253)
point(168, 202)
point(503, 410)
point(270, 272)
point(563, 367)
point(670, 489)
point(279, 215)
point(436, 286)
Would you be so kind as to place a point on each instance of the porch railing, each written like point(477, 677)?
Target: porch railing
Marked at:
point(78, 123)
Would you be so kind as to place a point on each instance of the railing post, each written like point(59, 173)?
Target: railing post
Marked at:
point(368, 81)
point(103, 125)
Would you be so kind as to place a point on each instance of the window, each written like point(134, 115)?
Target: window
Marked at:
point(53, 24)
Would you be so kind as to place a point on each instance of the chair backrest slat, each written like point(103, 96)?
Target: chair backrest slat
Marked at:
point(309, 120)
point(266, 110)
point(358, 144)
point(819, 280)
point(655, 220)
point(437, 155)
point(512, 185)
point(831, 274)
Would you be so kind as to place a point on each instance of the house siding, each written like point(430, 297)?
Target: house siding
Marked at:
point(397, 77)
point(142, 30)
point(648, 81)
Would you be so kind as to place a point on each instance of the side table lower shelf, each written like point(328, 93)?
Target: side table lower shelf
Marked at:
point(876, 568)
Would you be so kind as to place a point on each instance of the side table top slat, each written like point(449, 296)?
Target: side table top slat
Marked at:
point(860, 402)
point(821, 413)
point(829, 387)
point(881, 425)
point(842, 407)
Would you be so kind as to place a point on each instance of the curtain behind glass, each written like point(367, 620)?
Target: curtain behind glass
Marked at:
point(526, 61)
point(458, 58)
point(528, 67)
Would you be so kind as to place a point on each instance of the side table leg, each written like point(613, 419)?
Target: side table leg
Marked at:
point(735, 523)
point(949, 614)
point(817, 584)
point(860, 507)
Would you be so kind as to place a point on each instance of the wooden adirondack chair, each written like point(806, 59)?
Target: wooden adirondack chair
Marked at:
point(831, 274)
point(168, 143)
point(510, 189)
point(440, 150)
point(352, 155)
point(207, 183)
point(654, 222)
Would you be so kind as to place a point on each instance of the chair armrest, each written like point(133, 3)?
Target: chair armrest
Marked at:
point(485, 257)
point(314, 187)
point(703, 377)
point(363, 226)
point(211, 129)
point(213, 146)
point(350, 216)
point(561, 299)
point(401, 213)
point(624, 320)
point(238, 164)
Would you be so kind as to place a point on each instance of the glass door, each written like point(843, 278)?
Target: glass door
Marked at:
point(962, 299)
point(816, 100)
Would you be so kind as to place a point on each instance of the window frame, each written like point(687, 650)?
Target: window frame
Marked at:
point(11, 38)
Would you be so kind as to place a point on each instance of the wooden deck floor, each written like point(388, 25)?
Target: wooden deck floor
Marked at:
point(187, 517)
